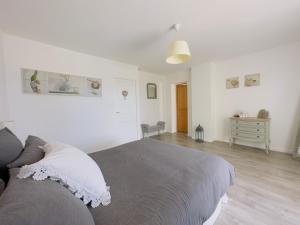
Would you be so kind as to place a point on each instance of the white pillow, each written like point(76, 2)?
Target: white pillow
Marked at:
point(75, 169)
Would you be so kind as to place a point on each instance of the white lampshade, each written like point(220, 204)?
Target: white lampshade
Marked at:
point(179, 53)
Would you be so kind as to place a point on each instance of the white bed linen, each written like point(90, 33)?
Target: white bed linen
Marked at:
point(214, 216)
point(74, 169)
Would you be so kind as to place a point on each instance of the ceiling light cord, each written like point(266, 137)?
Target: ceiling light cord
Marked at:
point(176, 27)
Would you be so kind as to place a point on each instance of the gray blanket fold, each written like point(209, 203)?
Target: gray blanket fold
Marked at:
point(153, 183)
point(31, 202)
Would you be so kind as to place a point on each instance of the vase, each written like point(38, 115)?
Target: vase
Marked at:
point(65, 86)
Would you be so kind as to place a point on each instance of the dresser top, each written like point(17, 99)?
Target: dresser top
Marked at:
point(249, 119)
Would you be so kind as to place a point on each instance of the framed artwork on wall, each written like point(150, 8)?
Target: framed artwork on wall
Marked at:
point(49, 83)
point(233, 82)
point(151, 91)
point(252, 80)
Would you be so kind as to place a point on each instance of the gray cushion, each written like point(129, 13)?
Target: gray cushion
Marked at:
point(30, 202)
point(32, 152)
point(2, 186)
point(10, 147)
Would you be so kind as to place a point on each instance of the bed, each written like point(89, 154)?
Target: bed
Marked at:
point(156, 183)
point(151, 183)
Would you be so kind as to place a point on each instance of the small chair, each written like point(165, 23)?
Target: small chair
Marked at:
point(161, 126)
point(146, 128)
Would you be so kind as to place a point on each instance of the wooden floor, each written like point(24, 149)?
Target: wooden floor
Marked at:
point(267, 187)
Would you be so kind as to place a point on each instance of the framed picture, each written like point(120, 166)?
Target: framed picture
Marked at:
point(252, 80)
point(232, 82)
point(49, 83)
point(151, 91)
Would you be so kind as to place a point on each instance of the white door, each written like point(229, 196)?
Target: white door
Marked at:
point(125, 110)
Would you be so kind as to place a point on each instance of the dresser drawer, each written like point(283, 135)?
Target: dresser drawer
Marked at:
point(251, 129)
point(249, 123)
point(246, 135)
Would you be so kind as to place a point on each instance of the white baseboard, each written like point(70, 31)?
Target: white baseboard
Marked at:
point(261, 146)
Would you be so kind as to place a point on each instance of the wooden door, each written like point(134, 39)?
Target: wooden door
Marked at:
point(181, 105)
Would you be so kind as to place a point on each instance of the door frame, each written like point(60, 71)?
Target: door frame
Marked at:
point(174, 106)
point(177, 118)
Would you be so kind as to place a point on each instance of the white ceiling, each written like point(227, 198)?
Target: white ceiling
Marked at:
point(137, 31)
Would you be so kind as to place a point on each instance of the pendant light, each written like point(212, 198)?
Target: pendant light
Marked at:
point(179, 51)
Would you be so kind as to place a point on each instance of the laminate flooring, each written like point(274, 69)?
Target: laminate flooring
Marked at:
point(266, 189)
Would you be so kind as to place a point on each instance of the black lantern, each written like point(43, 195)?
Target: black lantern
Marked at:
point(199, 134)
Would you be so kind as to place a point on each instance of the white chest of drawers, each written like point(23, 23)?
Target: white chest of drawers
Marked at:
point(250, 129)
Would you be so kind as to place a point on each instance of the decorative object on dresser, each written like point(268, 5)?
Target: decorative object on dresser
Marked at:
point(250, 129)
point(263, 114)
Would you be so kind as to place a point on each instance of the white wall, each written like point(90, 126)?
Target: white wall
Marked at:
point(152, 110)
point(85, 122)
point(89, 122)
point(203, 99)
point(3, 100)
point(279, 93)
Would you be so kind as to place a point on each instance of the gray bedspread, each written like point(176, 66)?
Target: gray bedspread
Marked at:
point(154, 183)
